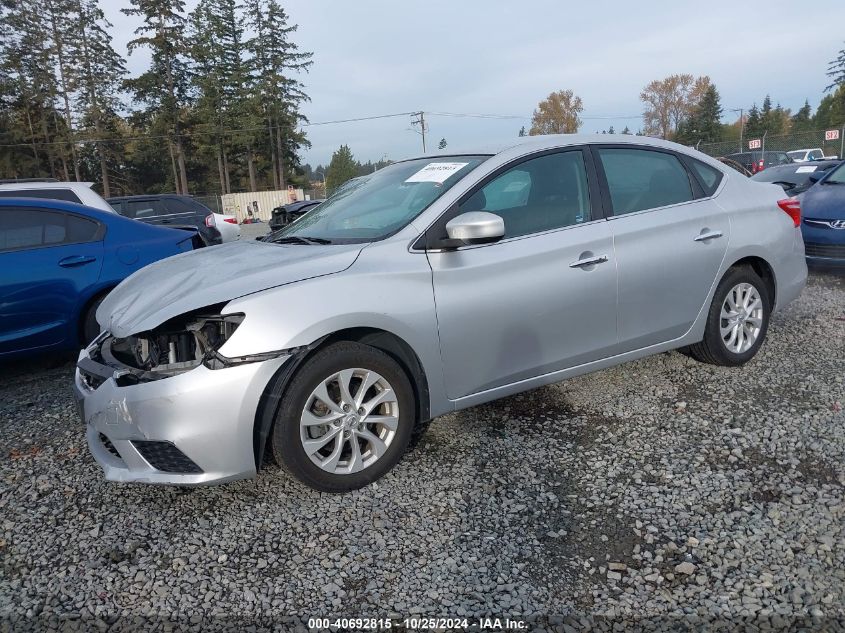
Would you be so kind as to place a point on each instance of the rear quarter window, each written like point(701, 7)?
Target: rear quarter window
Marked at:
point(709, 177)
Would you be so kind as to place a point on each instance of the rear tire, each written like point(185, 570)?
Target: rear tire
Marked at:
point(365, 433)
point(737, 322)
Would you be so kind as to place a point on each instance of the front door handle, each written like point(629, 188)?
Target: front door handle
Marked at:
point(589, 261)
point(76, 260)
point(712, 235)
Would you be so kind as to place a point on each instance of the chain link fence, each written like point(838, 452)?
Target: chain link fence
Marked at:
point(800, 140)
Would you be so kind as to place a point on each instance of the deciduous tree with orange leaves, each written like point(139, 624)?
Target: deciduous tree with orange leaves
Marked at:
point(557, 114)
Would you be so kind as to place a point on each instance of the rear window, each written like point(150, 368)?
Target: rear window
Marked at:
point(47, 194)
point(142, 209)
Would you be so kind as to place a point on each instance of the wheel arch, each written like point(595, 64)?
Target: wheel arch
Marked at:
point(101, 291)
point(763, 270)
point(388, 342)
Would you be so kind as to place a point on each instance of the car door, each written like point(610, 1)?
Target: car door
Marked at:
point(541, 299)
point(669, 236)
point(47, 258)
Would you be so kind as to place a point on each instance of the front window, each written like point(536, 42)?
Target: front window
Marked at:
point(372, 207)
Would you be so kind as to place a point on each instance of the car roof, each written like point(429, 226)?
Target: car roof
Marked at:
point(59, 205)
point(553, 141)
point(147, 197)
point(45, 184)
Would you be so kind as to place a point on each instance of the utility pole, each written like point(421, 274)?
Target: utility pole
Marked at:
point(420, 120)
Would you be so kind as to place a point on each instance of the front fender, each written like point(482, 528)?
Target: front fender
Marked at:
point(388, 289)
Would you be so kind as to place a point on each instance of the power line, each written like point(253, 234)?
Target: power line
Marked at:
point(527, 118)
point(224, 132)
point(420, 120)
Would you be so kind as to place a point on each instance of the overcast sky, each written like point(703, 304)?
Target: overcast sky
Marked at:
point(374, 57)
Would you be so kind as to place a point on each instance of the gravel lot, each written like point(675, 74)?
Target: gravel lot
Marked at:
point(658, 489)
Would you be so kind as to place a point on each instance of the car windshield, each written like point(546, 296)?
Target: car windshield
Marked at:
point(372, 207)
point(837, 176)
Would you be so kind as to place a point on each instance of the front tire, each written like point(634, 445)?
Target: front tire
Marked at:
point(90, 327)
point(737, 322)
point(345, 419)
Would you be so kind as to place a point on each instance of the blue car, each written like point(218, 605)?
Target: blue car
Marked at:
point(58, 260)
point(823, 210)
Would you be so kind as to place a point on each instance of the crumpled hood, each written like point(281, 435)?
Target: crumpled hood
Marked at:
point(824, 202)
point(213, 275)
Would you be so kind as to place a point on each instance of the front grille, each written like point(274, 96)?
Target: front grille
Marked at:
point(836, 251)
point(166, 457)
point(109, 446)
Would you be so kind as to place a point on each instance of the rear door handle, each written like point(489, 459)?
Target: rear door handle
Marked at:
point(712, 235)
point(76, 260)
point(589, 261)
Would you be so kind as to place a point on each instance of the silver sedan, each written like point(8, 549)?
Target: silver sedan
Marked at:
point(432, 285)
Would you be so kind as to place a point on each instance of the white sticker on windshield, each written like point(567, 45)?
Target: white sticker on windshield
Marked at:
point(436, 172)
point(805, 169)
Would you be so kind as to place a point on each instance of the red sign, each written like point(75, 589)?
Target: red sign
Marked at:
point(755, 144)
point(831, 135)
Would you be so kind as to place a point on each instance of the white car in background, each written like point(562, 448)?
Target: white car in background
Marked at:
point(228, 226)
point(79, 192)
point(806, 155)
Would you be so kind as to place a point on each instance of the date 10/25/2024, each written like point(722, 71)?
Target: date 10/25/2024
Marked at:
point(418, 624)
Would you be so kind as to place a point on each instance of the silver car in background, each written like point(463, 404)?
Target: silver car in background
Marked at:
point(432, 285)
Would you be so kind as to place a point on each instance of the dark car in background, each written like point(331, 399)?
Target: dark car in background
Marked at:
point(285, 214)
point(58, 260)
point(759, 161)
point(796, 178)
point(172, 211)
point(823, 213)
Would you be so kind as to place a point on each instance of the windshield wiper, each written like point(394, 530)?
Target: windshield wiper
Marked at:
point(299, 239)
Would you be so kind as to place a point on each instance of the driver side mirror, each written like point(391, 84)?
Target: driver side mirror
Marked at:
point(476, 227)
point(816, 176)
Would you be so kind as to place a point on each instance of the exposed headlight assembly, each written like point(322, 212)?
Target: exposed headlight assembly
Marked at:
point(174, 347)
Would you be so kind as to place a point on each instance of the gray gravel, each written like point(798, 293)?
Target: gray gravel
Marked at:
point(658, 489)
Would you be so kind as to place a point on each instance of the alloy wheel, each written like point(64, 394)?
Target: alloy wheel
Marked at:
point(741, 318)
point(349, 421)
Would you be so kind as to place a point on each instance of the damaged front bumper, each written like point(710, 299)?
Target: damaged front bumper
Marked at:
point(190, 428)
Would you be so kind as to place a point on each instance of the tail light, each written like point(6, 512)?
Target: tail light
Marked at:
point(230, 220)
point(209, 220)
point(792, 207)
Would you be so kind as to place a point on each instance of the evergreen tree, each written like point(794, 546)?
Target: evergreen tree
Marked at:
point(275, 59)
point(210, 105)
point(836, 71)
point(341, 168)
point(802, 121)
point(100, 73)
point(165, 86)
point(627, 130)
point(831, 111)
point(522, 131)
point(753, 126)
point(442, 144)
point(60, 29)
point(704, 122)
